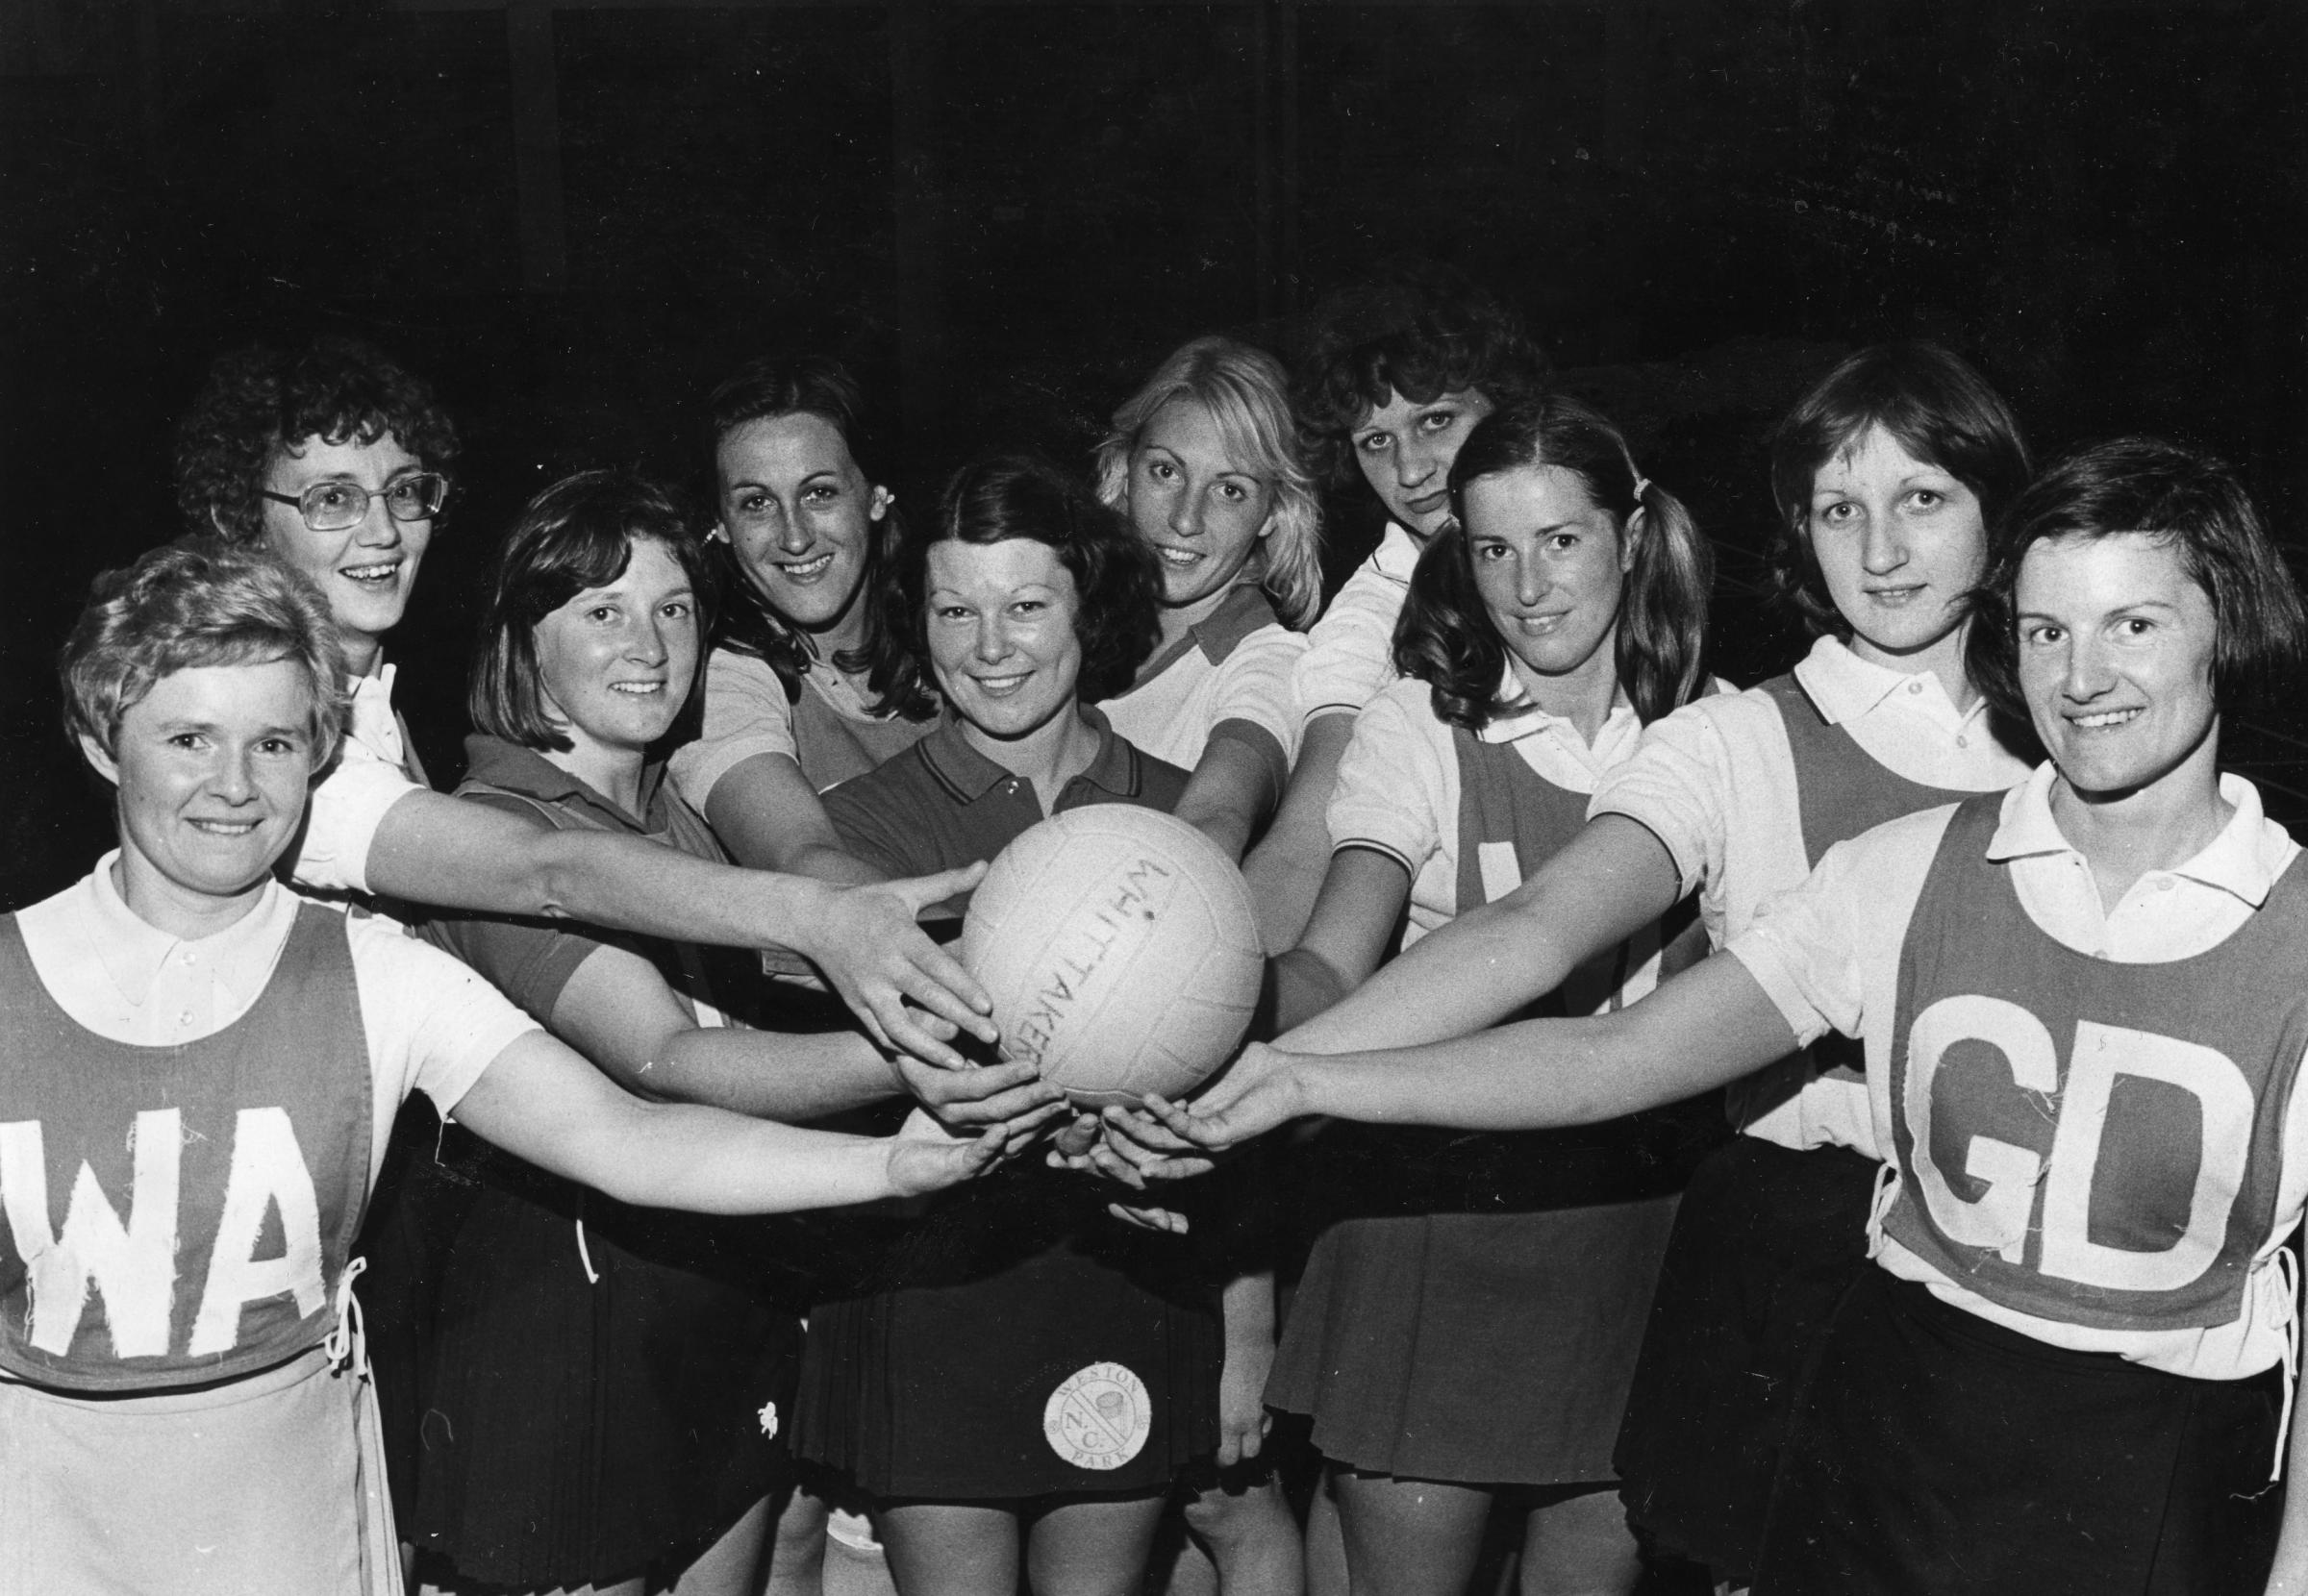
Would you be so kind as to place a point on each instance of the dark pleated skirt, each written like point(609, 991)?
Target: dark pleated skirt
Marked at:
point(1018, 1343)
point(579, 1431)
point(1488, 1349)
point(1765, 1244)
point(1935, 1452)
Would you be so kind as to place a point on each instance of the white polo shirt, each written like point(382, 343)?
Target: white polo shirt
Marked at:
point(1227, 670)
point(1827, 954)
point(1715, 783)
point(432, 1024)
point(351, 802)
point(1351, 651)
point(1399, 784)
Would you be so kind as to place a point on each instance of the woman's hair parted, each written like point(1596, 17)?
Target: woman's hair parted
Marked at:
point(1005, 496)
point(1445, 638)
point(194, 603)
point(1932, 404)
point(1413, 328)
point(259, 401)
point(2181, 497)
point(1246, 396)
point(576, 535)
point(765, 389)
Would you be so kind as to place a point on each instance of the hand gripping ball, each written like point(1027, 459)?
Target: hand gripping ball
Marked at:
point(1121, 950)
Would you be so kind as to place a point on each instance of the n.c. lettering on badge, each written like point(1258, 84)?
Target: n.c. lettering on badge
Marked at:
point(1098, 1417)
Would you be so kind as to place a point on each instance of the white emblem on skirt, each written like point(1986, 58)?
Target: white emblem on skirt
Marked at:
point(1098, 1417)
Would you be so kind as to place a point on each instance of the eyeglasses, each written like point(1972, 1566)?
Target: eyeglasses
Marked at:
point(341, 506)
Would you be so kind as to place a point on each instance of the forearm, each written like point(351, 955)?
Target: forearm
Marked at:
point(633, 885)
point(1286, 869)
point(1235, 787)
point(1699, 1031)
point(1304, 985)
point(771, 1075)
point(1612, 880)
point(1246, 1312)
point(684, 1155)
point(830, 861)
point(1430, 991)
point(451, 854)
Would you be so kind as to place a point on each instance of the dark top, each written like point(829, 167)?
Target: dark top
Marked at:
point(941, 804)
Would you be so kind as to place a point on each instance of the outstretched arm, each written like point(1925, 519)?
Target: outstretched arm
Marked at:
point(1285, 871)
point(1235, 784)
point(769, 817)
point(1362, 900)
point(439, 851)
point(541, 1102)
point(617, 1010)
point(1613, 879)
point(1708, 1026)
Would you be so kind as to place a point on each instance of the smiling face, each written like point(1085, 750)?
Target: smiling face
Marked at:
point(616, 661)
point(1200, 512)
point(212, 767)
point(1549, 563)
point(800, 515)
point(1900, 543)
point(366, 571)
point(2117, 647)
point(1001, 634)
point(1405, 448)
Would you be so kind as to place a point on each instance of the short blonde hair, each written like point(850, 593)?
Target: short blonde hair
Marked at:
point(198, 602)
point(1247, 396)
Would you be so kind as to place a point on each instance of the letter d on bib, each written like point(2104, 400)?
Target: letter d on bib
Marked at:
point(2102, 1053)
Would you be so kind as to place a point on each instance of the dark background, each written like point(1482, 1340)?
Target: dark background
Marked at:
point(574, 217)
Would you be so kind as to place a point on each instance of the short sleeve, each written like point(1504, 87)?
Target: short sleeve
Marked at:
point(343, 818)
point(1350, 654)
point(1827, 950)
point(1678, 784)
point(866, 816)
point(746, 712)
point(1257, 684)
point(433, 1024)
point(1392, 791)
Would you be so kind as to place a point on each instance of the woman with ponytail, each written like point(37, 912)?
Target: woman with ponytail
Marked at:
point(1467, 1328)
point(1887, 475)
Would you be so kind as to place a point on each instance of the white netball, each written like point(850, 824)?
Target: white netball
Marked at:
point(1121, 950)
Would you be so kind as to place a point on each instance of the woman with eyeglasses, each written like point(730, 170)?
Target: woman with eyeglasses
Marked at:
point(332, 458)
point(200, 1069)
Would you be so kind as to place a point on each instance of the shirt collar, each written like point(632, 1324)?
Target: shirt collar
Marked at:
point(371, 722)
point(1845, 687)
point(1397, 554)
point(2244, 859)
point(526, 771)
point(133, 950)
point(1518, 717)
point(969, 775)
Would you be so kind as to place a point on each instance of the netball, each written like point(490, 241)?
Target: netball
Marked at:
point(1121, 950)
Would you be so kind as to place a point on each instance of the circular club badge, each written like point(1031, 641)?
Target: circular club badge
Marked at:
point(1098, 1417)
